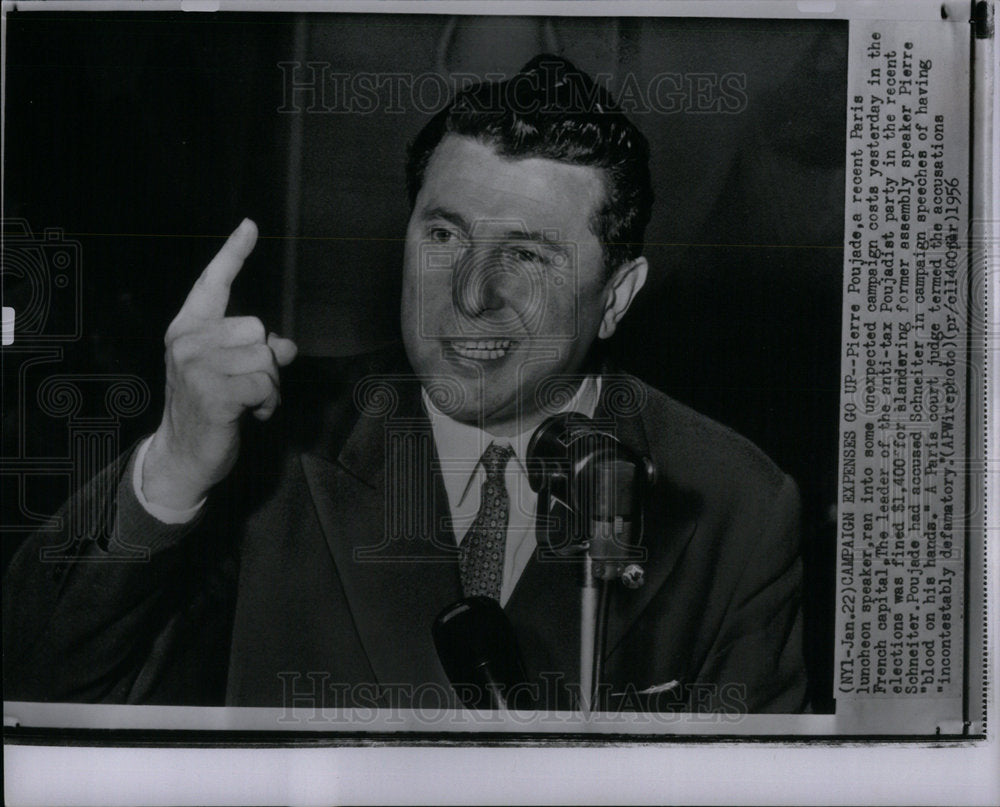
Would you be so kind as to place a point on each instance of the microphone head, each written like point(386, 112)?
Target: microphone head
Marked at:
point(547, 456)
point(475, 643)
point(592, 488)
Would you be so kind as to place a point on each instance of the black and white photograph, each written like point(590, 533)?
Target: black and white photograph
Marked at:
point(463, 375)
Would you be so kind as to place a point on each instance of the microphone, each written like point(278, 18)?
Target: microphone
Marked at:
point(475, 643)
point(609, 485)
point(591, 488)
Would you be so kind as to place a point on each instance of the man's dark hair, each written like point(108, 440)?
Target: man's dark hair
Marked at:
point(551, 109)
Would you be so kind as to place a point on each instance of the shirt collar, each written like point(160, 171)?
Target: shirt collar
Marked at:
point(460, 446)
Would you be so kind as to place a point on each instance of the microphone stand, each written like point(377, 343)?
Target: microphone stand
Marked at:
point(600, 642)
point(593, 635)
point(588, 636)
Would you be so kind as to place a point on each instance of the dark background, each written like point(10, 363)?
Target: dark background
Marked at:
point(147, 137)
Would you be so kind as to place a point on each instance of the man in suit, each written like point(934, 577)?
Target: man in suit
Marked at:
point(312, 566)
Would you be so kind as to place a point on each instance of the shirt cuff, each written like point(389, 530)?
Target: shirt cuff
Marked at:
point(167, 515)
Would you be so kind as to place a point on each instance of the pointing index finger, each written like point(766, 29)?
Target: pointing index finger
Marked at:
point(209, 296)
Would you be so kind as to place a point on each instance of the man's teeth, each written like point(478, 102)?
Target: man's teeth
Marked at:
point(483, 349)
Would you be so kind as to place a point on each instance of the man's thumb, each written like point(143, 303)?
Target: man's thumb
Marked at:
point(284, 350)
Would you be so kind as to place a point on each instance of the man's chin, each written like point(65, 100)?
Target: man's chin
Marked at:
point(453, 398)
point(459, 385)
point(461, 399)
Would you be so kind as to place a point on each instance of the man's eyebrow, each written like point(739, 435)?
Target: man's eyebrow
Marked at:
point(448, 215)
point(536, 237)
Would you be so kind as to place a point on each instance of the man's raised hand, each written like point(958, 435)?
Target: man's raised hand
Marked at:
point(217, 368)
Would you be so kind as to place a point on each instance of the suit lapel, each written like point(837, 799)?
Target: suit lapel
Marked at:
point(383, 512)
point(544, 610)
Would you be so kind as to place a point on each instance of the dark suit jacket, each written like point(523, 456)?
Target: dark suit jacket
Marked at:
point(318, 568)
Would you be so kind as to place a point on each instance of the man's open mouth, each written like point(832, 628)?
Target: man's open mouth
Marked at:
point(483, 349)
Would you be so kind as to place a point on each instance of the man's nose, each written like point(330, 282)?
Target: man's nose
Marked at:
point(482, 282)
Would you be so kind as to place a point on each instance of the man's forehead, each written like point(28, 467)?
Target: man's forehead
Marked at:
point(471, 178)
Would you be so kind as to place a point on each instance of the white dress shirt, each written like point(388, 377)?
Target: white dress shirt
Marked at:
point(460, 448)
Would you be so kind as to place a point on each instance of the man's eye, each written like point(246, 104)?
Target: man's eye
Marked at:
point(523, 255)
point(441, 235)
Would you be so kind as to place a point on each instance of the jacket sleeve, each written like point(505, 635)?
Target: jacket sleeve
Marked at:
point(86, 606)
point(758, 665)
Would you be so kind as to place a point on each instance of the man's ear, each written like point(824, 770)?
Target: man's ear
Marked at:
point(621, 291)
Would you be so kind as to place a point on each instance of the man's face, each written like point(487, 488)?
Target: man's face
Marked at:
point(503, 281)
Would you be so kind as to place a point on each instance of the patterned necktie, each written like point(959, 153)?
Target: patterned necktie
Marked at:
point(480, 558)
